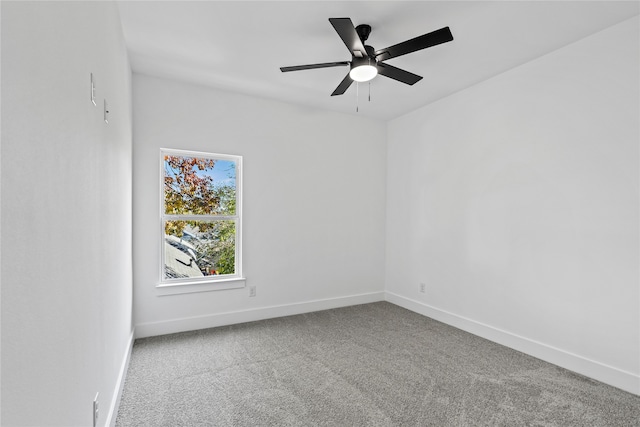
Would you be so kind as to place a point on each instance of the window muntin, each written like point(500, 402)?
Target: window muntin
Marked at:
point(200, 217)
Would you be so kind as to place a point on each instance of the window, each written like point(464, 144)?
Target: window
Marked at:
point(201, 217)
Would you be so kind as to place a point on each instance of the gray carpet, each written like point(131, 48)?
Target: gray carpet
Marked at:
point(367, 365)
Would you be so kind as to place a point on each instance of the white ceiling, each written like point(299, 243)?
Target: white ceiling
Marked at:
point(240, 45)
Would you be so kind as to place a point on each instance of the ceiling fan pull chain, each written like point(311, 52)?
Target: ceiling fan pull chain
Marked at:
point(369, 83)
point(357, 96)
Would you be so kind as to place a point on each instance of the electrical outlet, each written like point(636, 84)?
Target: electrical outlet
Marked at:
point(252, 291)
point(96, 410)
point(423, 288)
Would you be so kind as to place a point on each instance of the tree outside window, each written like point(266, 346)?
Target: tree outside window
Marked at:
point(200, 216)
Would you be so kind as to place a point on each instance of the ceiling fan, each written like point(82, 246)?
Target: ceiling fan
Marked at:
point(366, 62)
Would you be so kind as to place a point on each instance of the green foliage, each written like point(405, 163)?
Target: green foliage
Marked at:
point(223, 252)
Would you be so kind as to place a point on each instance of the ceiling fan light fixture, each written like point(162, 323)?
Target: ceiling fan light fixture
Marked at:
point(363, 71)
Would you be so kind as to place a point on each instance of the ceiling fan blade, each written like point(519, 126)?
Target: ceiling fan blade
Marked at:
point(312, 66)
point(347, 32)
point(398, 74)
point(343, 86)
point(424, 41)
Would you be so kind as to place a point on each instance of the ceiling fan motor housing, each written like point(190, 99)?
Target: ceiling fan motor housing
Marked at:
point(357, 62)
point(370, 60)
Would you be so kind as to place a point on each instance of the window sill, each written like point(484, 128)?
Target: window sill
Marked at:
point(164, 289)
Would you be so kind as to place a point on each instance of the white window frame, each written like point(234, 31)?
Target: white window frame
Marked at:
point(206, 283)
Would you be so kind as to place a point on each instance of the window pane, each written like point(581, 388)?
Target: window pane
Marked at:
point(199, 186)
point(199, 248)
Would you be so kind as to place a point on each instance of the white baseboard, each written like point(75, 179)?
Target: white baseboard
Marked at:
point(117, 393)
point(233, 317)
point(607, 374)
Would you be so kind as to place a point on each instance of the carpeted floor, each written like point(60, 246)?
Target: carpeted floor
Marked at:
point(368, 365)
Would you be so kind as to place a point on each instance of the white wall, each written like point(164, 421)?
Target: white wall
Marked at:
point(516, 203)
point(314, 202)
point(66, 212)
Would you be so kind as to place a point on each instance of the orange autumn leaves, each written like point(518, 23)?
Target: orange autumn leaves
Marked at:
point(187, 192)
